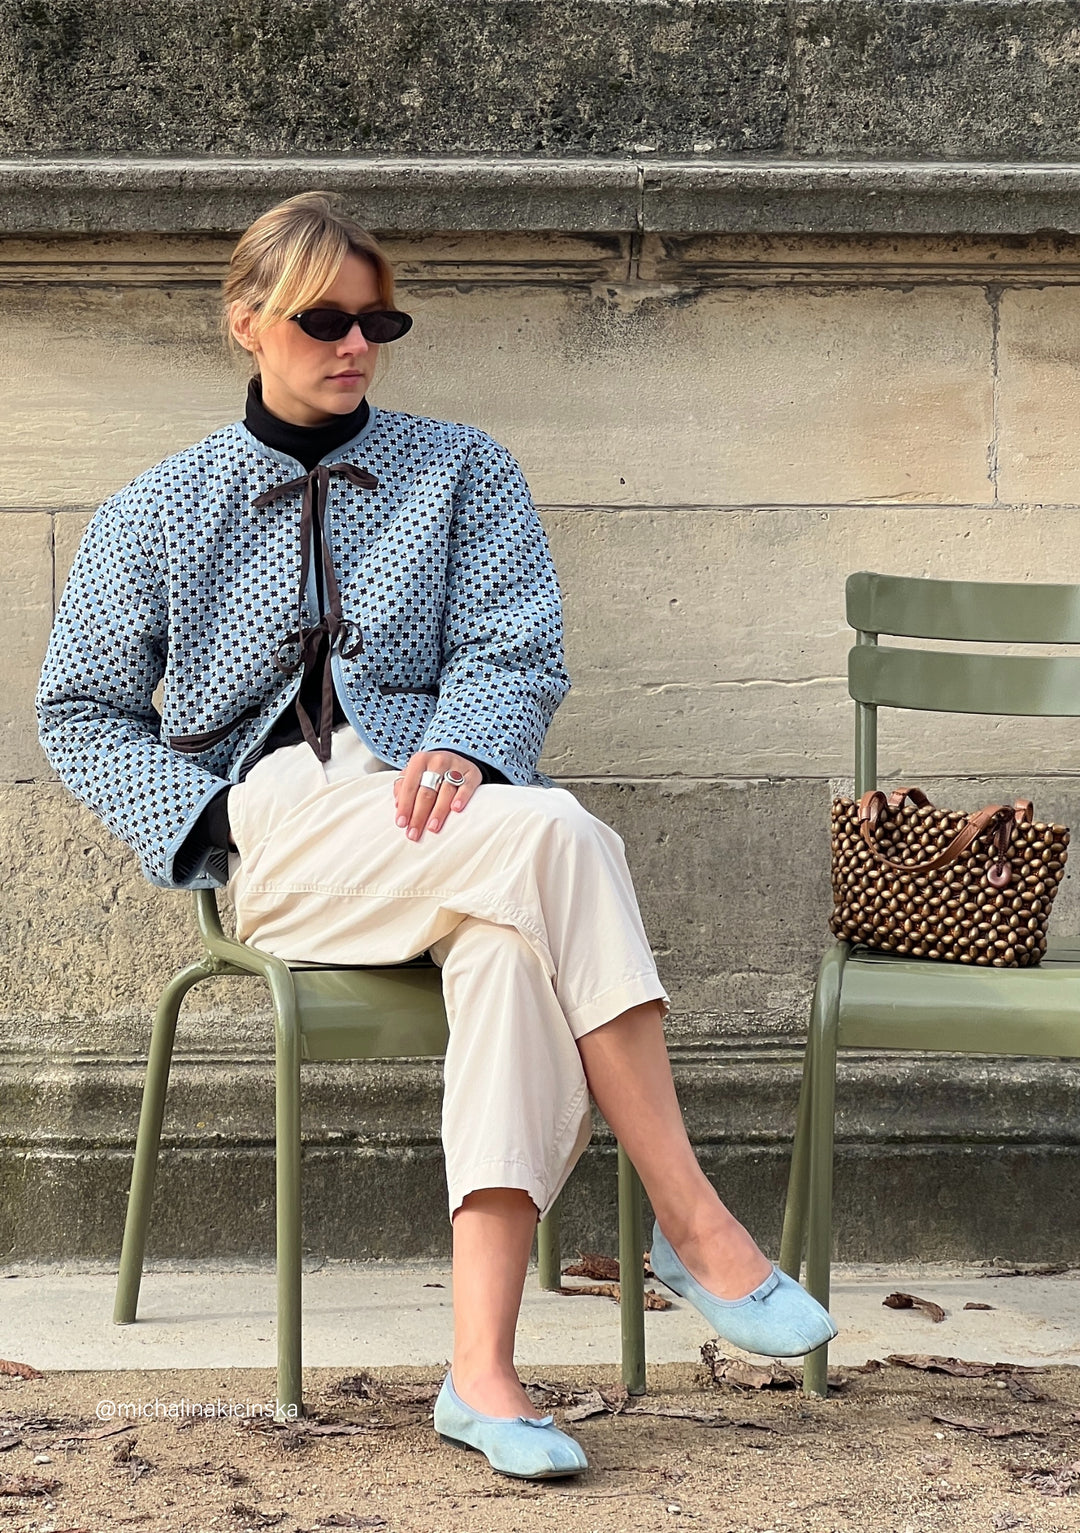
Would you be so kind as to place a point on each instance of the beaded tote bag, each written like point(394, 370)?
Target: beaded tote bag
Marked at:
point(935, 883)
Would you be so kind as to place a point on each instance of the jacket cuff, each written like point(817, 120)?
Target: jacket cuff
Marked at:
point(488, 772)
point(205, 849)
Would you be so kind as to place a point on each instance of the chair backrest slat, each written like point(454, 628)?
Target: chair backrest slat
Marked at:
point(966, 611)
point(960, 683)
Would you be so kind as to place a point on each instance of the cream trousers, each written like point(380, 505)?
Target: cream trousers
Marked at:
point(523, 898)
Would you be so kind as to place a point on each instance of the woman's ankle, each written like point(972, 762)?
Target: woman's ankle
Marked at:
point(703, 1222)
point(494, 1391)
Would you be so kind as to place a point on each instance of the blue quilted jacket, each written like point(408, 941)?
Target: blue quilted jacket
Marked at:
point(452, 636)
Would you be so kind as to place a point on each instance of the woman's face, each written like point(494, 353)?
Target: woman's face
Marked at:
point(306, 381)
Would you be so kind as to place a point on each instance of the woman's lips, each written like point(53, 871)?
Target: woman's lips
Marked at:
point(345, 377)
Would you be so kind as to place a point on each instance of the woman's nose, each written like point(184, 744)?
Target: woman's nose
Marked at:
point(355, 340)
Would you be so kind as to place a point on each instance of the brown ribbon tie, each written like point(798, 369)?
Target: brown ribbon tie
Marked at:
point(333, 624)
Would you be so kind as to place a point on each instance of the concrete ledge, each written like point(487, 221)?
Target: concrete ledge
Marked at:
point(980, 1156)
point(860, 197)
point(127, 194)
point(200, 195)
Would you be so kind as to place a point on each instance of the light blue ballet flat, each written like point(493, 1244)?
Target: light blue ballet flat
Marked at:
point(778, 1318)
point(514, 1445)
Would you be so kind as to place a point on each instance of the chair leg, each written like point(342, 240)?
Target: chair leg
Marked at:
point(290, 1398)
point(821, 1045)
point(631, 1276)
point(148, 1141)
point(549, 1248)
point(793, 1236)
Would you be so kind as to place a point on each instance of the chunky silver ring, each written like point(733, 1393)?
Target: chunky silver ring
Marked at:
point(432, 780)
point(455, 779)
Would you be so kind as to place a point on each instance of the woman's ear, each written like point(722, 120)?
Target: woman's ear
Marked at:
point(241, 323)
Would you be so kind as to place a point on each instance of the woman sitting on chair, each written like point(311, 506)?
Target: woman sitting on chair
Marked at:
point(357, 621)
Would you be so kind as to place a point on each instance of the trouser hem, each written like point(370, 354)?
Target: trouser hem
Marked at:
point(613, 1002)
point(543, 1189)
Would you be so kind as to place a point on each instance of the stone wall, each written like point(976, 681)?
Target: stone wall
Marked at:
point(730, 382)
point(892, 79)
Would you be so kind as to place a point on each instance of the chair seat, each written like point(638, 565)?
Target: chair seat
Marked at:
point(887, 1001)
point(370, 1013)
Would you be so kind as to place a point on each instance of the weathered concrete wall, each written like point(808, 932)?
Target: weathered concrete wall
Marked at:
point(845, 78)
point(716, 430)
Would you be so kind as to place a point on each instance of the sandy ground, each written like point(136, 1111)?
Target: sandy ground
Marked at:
point(897, 1447)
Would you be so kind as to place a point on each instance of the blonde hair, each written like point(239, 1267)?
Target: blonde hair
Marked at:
point(289, 256)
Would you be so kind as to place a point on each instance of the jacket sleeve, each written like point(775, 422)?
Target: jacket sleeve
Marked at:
point(502, 674)
point(96, 719)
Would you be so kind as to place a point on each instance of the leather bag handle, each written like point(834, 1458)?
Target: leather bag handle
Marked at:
point(916, 795)
point(1007, 817)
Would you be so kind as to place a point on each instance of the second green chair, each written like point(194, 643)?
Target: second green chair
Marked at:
point(872, 999)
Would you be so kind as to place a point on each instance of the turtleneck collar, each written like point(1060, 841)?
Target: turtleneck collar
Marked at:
point(307, 444)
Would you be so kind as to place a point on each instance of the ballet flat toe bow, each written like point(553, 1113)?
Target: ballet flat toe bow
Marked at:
point(778, 1318)
point(514, 1445)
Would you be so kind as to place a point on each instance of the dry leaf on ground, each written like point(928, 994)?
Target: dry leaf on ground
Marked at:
point(1058, 1480)
point(728, 1370)
point(991, 1429)
point(1029, 1269)
point(1024, 1392)
point(912, 1301)
point(347, 1520)
point(580, 1403)
point(602, 1269)
point(704, 1418)
point(592, 1403)
point(252, 1517)
point(19, 1370)
point(612, 1291)
point(26, 1485)
point(958, 1366)
point(364, 1386)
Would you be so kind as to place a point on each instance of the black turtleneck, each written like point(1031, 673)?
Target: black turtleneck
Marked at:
point(308, 445)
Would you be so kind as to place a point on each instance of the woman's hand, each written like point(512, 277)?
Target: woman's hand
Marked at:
point(419, 808)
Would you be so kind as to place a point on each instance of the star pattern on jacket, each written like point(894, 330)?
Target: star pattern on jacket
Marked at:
point(181, 577)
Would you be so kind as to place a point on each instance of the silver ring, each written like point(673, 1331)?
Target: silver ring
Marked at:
point(432, 780)
point(455, 779)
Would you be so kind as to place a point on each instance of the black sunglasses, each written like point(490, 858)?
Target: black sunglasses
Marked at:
point(376, 325)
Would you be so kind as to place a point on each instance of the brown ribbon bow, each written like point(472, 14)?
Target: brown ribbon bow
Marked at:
point(332, 624)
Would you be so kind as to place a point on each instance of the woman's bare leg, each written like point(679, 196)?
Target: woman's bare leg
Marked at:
point(493, 1234)
point(626, 1064)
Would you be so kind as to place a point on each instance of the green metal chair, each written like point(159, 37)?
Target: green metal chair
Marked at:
point(870, 999)
point(325, 1013)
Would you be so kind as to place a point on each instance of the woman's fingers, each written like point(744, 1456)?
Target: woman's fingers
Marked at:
point(420, 807)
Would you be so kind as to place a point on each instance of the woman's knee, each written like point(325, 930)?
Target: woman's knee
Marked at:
point(479, 946)
point(558, 811)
